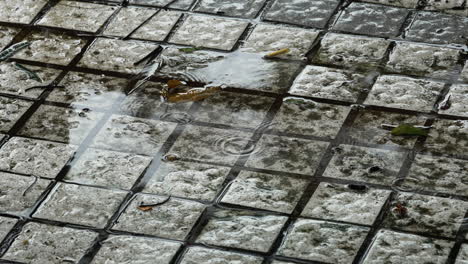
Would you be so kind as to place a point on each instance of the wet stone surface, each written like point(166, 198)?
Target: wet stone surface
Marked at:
point(464, 74)
point(158, 27)
point(365, 164)
point(247, 9)
point(6, 224)
point(195, 255)
point(343, 203)
point(306, 13)
point(448, 137)
point(393, 247)
point(20, 12)
point(6, 35)
point(39, 243)
point(129, 249)
point(308, 117)
point(360, 18)
point(180, 4)
point(34, 157)
point(458, 98)
point(313, 240)
point(127, 20)
point(241, 229)
point(10, 111)
point(265, 191)
point(399, 3)
point(188, 180)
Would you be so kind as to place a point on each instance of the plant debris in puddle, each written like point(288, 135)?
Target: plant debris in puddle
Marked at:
point(178, 92)
point(276, 53)
point(31, 74)
point(171, 157)
point(190, 50)
point(400, 210)
point(407, 130)
point(148, 207)
point(8, 53)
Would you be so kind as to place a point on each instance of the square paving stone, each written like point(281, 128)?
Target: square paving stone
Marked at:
point(238, 69)
point(269, 38)
point(464, 73)
point(158, 27)
point(20, 12)
point(80, 205)
point(75, 15)
point(209, 32)
point(208, 144)
point(128, 19)
point(34, 157)
point(367, 128)
point(245, 9)
point(19, 193)
point(424, 60)
point(139, 250)
point(462, 257)
point(135, 135)
point(458, 99)
point(305, 13)
point(351, 51)
point(307, 117)
point(51, 47)
point(108, 168)
point(438, 28)
point(399, 3)
point(180, 4)
point(329, 83)
point(287, 154)
point(88, 90)
point(426, 214)
point(439, 174)
point(40, 243)
point(173, 219)
point(242, 229)
point(342, 203)
point(187, 180)
point(265, 191)
point(10, 111)
point(197, 255)
point(234, 109)
point(365, 164)
point(6, 35)
point(393, 247)
point(6, 224)
point(116, 55)
point(16, 81)
point(443, 5)
point(323, 241)
point(360, 18)
point(146, 102)
point(448, 136)
point(61, 124)
point(404, 93)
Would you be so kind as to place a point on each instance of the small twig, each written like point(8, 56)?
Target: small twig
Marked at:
point(149, 207)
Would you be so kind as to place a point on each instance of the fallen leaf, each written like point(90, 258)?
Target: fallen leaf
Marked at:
point(173, 83)
point(277, 53)
point(190, 50)
point(408, 130)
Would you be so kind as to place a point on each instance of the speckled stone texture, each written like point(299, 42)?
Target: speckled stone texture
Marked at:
point(308, 117)
point(209, 32)
point(188, 180)
point(314, 240)
point(306, 13)
point(127, 20)
point(458, 98)
point(196, 255)
point(138, 250)
point(34, 157)
point(39, 244)
point(329, 83)
point(6, 35)
point(61, 124)
point(264, 191)
point(342, 203)
point(158, 27)
point(6, 224)
point(448, 137)
point(80, 16)
point(399, 3)
point(16, 82)
point(464, 73)
point(180, 4)
point(462, 257)
point(365, 164)
point(351, 51)
point(51, 47)
point(393, 247)
point(360, 18)
point(269, 38)
point(80, 205)
point(20, 12)
point(173, 219)
point(108, 168)
point(404, 93)
point(116, 55)
point(246, 9)
point(10, 111)
point(241, 229)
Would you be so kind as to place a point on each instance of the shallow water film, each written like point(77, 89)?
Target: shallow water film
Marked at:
point(234, 131)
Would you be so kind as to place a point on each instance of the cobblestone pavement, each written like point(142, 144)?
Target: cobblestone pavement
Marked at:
point(289, 163)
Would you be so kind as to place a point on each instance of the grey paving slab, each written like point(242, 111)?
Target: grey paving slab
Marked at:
point(11, 111)
point(22, 12)
point(464, 73)
point(158, 27)
point(458, 97)
point(399, 3)
point(246, 9)
point(462, 255)
point(448, 137)
point(6, 224)
point(180, 4)
point(127, 20)
point(6, 35)
point(195, 255)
